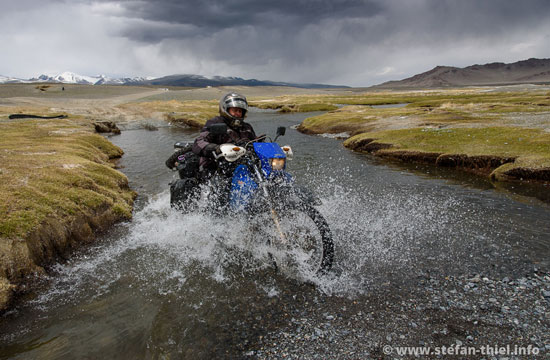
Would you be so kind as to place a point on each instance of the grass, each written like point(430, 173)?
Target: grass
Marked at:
point(297, 103)
point(56, 169)
point(57, 185)
point(494, 141)
point(192, 112)
point(435, 108)
point(529, 147)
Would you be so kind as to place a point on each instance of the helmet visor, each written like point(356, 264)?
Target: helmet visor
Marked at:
point(236, 102)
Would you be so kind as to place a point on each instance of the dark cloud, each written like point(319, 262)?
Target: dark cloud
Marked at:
point(294, 33)
point(358, 42)
point(204, 18)
point(439, 17)
point(217, 15)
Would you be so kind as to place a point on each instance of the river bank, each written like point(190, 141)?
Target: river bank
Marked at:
point(59, 189)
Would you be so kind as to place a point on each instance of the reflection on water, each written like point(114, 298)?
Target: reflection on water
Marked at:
point(174, 285)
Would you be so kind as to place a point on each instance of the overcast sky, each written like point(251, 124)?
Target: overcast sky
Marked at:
point(347, 42)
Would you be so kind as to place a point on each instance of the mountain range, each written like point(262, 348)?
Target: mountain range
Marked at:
point(186, 80)
point(531, 71)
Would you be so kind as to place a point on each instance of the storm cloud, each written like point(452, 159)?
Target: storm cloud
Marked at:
point(349, 42)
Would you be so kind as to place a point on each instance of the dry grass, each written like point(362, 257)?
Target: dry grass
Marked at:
point(424, 109)
point(55, 169)
point(529, 148)
point(193, 113)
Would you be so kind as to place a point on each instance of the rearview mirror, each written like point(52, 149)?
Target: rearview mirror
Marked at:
point(218, 129)
point(281, 130)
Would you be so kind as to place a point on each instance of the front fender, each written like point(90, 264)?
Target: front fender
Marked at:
point(243, 188)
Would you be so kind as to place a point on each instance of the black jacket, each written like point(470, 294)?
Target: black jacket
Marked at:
point(205, 143)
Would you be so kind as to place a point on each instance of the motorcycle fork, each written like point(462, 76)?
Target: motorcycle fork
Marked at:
point(274, 215)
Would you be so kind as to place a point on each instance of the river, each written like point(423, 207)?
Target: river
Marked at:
point(167, 285)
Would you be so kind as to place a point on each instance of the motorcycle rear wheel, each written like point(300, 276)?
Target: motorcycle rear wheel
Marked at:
point(301, 241)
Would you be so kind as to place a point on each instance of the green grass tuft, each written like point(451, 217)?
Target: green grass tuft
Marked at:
point(56, 169)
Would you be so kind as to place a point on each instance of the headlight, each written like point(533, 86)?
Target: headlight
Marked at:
point(277, 164)
point(288, 152)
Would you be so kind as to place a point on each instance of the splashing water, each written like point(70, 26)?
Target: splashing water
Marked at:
point(162, 247)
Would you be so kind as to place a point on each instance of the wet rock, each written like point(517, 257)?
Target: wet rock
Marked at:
point(149, 126)
point(106, 127)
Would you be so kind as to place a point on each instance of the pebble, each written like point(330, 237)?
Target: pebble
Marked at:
point(488, 311)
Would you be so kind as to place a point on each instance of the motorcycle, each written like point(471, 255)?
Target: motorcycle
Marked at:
point(253, 181)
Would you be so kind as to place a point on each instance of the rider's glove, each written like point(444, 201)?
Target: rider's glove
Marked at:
point(210, 149)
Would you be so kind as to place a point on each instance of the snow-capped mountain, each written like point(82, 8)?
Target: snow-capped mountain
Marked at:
point(104, 80)
point(9, 80)
point(68, 77)
point(72, 78)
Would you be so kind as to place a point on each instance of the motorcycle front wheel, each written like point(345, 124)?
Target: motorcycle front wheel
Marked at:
point(301, 241)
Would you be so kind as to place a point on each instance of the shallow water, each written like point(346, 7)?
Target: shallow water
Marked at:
point(166, 284)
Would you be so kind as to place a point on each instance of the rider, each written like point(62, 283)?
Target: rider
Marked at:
point(233, 109)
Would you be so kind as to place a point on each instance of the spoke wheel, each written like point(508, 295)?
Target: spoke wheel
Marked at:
point(301, 241)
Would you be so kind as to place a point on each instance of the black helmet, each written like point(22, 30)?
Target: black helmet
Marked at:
point(237, 101)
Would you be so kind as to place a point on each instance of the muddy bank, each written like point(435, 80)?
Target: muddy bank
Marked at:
point(59, 189)
point(184, 120)
point(500, 153)
point(23, 260)
point(483, 165)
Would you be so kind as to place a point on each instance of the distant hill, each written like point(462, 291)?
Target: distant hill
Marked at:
point(201, 81)
point(530, 71)
point(186, 80)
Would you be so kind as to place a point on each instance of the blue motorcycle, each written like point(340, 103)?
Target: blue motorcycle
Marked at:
point(251, 180)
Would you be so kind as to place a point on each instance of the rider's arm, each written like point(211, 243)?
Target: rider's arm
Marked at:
point(250, 131)
point(203, 144)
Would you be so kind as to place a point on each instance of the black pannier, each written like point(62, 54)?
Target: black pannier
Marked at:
point(184, 160)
